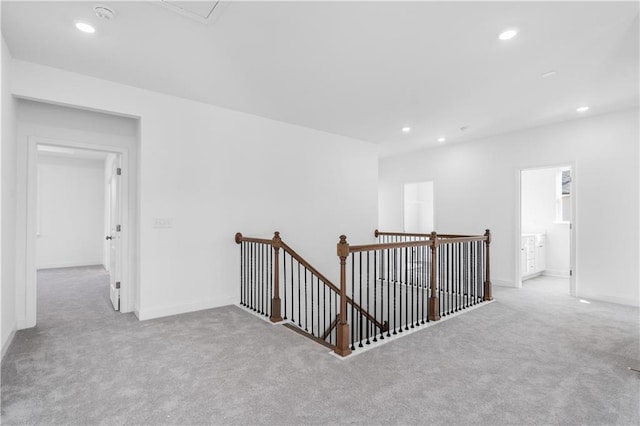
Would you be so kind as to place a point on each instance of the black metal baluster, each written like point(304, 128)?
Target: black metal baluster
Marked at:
point(375, 296)
point(482, 266)
point(318, 302)
point(252, 277)
point(260, 282)
point(420, 293)
point(306, 302)
point(299, 304)
point(284, 281)
point(395, 303)
point(441, 286)
point(293, 307)
point(412, 283)
point(473, 273)
point(388, 297)
point(407, 289)
point(312, 309)
point(360, 298)
point(353, 300)
point(241, 273)
point(368, 310)
point(270, 280)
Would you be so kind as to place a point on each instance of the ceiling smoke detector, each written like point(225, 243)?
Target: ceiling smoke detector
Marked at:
point(103, 12)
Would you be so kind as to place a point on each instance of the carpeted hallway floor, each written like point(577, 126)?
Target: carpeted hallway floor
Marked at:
point(535, 356)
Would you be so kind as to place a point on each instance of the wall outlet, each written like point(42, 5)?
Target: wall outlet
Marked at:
point(163, 223)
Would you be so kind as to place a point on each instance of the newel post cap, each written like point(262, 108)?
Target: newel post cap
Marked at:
point(276, 241)
point(343, 247)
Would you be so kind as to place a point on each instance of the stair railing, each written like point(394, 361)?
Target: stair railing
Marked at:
point(280, 284)
point(408, 280)
point(385, 289)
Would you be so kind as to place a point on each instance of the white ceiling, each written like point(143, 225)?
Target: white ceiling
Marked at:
point(360, 69)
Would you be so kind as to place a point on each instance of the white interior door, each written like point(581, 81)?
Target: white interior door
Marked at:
point(114, 237)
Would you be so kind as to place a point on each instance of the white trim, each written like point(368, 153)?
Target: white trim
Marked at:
point(26, 295)
point(503, 283)
point(71, 264)
point(165, 311)
point(555, 273)
point(7, 344)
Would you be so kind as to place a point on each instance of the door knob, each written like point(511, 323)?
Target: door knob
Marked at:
point(108, 237)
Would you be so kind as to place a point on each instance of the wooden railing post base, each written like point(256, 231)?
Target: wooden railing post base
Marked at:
point(342, 343)
point(434, 309)
point(275, 310)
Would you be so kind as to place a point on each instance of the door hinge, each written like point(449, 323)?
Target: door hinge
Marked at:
point(118, 228)
point(118, 171)
point(117, 285)
point(570, 272)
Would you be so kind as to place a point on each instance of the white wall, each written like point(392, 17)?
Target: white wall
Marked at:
point(214, 172)
point(476, 187)
point(8, 208)
point(70, 212)
point(539, 192)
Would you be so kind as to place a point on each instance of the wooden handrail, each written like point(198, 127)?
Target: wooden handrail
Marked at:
point(377, 233)
point(416, 243)
point(239, 239)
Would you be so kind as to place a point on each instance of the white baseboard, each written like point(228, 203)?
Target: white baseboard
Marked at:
point(69, 264)
point(555, 273)
point(502, 283)
point(6, 345)
point(603, 297)
point(147, 314)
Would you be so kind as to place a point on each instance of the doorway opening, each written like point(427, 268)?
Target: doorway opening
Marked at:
point(418, 207)
point(545, 238)
point(78, 220)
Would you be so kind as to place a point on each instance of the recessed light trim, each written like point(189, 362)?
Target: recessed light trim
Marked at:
point(508, 34)
point(442, 140)
point(406, 129)
point(549, 74)
point(582, 108)
point(85, 28)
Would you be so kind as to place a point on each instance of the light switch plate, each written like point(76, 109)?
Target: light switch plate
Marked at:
point(163, 222)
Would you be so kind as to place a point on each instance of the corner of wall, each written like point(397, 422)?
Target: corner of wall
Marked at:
point(7, 344)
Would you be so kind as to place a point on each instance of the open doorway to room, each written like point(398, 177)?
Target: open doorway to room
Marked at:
point(418, 207)
point(77, 238)
point(67, 159)
point(545, 249)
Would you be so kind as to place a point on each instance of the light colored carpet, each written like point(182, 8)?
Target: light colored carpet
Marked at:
point(535, 356)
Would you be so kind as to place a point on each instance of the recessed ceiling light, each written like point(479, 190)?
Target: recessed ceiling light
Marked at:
point(85, 28)
point(406, 129)
point(582, 108)
point(585, 301)
point(508, 34)
point(549, 74)
point(441, 140)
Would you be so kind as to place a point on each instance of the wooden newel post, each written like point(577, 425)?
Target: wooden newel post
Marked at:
point(434, 304)
point(276, 313)
point(487, 258)
point(342, 340)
